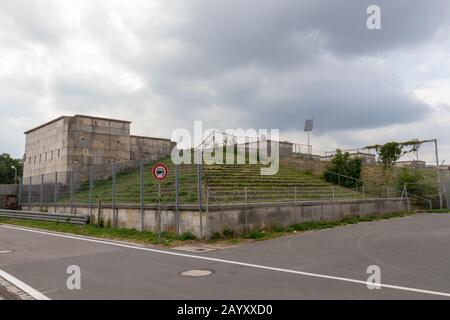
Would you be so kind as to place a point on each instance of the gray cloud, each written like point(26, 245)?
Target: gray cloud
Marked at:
point(230, 63)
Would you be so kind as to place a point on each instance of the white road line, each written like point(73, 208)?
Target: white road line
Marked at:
point(250, 265)
point(23, 286)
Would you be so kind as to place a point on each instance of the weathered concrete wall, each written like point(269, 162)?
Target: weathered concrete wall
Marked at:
point(149, 149)
point(237, 217)
point(46, 148)
point(271, 215)
point(80, 142)
point(97, 142)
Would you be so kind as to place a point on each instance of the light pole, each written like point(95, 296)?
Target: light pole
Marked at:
point(15, 173)
point(309, 124)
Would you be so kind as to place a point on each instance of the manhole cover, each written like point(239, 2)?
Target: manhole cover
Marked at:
point(197, 273)
point(6, 251)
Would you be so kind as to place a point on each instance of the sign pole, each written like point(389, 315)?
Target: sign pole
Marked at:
point(160, 172)
point(159, 211)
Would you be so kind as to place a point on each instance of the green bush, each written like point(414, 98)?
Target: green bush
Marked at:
point(343, 165)
point(216, 236)
point(255, 234)
point(414, 181)
point(229, 233)
point(278, 229)
point(187, 236)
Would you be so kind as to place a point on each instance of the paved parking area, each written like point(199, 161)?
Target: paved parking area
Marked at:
point(412, 253)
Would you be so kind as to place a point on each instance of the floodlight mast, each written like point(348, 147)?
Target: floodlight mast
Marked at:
point(309, 124)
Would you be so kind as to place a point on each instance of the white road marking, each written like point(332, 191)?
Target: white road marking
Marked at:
point(250, 265)
point(23, 286)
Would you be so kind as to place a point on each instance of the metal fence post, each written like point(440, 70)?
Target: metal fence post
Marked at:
point(55, 191)
point(199, 185)
point(246, 209)
point(364, 192)
point(199, 192)
point(334, 195)
point(438, 173)
point(295, 194)
point(177, 195)
point(29, 190)
point(113, 195)
point(19, 199)
point(295, 204)
point(41, 193)
point(91, 190)
point(207, 201)
point(407, 198)
point(71, 192)
point(141, 196)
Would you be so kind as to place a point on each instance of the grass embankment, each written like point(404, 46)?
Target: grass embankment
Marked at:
point(128, 186)
point(226, 183)
point(228, 236)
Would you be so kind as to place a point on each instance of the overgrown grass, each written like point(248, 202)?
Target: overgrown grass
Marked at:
point(146, 237)
point(278, 231)
point(228, 236)
point(440, 211)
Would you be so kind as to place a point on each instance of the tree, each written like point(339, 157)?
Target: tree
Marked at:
point(342, 166)
point(390, 152)
point(7, 173)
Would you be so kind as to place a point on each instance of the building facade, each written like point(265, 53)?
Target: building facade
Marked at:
point(79, 143)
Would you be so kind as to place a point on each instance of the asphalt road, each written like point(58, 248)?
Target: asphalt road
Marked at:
point(413, 254)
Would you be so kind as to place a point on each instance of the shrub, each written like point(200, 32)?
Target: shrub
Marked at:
point(278, 229)
point(413, 179)
point(255, 234)
point(343, 165)
point(229, 233)
point(187, 236)
point(216, 236)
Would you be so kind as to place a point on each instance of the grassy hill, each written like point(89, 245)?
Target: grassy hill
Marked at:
point(226, 184)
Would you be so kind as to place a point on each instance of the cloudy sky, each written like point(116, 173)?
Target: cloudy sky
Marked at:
point(249, 63)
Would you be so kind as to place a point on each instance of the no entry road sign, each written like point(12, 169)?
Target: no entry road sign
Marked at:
point(160, 171)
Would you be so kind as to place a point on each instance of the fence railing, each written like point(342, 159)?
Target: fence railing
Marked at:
point(120, 183)
point(131, 183)
point(373, 190)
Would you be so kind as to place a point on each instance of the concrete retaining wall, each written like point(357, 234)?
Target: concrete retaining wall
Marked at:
point(238, 217)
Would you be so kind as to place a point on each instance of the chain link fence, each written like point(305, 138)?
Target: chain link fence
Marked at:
point(119, 183)
point(131, 183)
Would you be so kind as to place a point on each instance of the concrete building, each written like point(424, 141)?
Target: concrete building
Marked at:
point(411, 164)
point(366, 158)
point(77, 143)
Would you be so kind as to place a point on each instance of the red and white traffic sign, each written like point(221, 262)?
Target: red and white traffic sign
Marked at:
point(160, 171)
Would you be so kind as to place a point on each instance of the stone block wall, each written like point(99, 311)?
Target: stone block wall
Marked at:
point(150, 149)
point(80, 143)
point(46, 148)
point(97, 142)
point(238, 217)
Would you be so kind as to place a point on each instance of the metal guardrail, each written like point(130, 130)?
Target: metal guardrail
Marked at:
point(41, 216)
